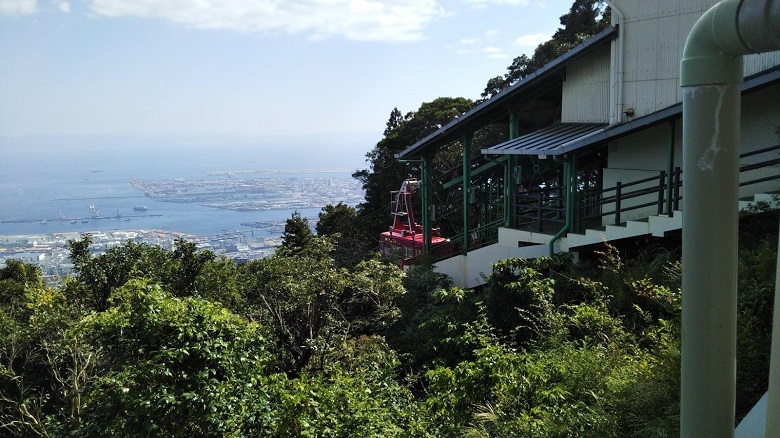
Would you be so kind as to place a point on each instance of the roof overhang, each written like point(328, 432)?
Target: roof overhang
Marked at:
point(551, 140)
point(535, 144)
point(490, 109)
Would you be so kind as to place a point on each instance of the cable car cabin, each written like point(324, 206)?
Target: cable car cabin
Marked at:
point(405, 239)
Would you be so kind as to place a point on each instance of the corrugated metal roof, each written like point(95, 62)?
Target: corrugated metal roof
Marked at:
point(547, 141)
point(535, 142)
point(499, 103)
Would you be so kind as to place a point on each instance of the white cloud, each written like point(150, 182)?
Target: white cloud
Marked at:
point(492, 32)
point(362, 20)
point(464, 46)
point(532, 40)
point(481, 4)
point(495, 53)
point(62, 5)
point(18, 7)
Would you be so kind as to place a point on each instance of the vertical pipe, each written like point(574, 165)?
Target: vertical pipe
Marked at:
point(571, 207)
point(670, 175)
point(677, 183)
point(773, 396)
point(618, 194)
point(711, 70)
point(426, 190)
point(711, 117)
point(510, 185)
point(662, 182)
point(566, 202)
point(616, 73)
point(465, 140)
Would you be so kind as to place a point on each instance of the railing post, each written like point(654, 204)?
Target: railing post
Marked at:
point(677, 184)
point(618, 188)
point(575, 211)
point(661, 187)
point(539, 210)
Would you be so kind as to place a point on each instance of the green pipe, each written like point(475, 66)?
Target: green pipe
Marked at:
point(466, 142)
point(509, 182)
point(426, 189)
point(567, 202)
point(670, 172)
point(711, 70)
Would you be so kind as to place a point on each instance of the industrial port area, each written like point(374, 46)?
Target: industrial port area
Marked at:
point(230, 191)
point(233, 191)
point(50, 251)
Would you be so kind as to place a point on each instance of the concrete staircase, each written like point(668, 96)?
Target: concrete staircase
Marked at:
point(654, 225)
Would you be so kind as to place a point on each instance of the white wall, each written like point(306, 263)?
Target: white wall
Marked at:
point(645, 153)
point(654, 35)
point(468, 271)
point(760, 129)
point(586, 89)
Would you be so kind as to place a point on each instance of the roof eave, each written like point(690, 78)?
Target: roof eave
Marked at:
point(449, 132)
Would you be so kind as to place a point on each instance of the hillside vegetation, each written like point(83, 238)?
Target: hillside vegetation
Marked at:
point(149, 342)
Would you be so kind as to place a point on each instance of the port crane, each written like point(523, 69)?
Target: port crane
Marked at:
point(94, 212)
point(405, 238)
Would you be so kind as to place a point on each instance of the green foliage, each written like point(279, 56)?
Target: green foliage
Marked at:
point(566, 391)
point(340, 222)
point(218, 281)
point(187, 263)
point(369, 301)
point(297, 235)
point(99, 276)
point(385, 172)
point(356, 396)
point(296, 345)
point(171, 366)
point(297, 298)
point(309, 304)
point(584, 19)
point(339, 218)
point(755, 303)
point(42, 367)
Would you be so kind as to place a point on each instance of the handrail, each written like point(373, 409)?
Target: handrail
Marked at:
point(760, 151)
point(544, 205)
point(479, 237)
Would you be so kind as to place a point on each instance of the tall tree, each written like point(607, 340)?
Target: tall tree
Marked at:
point(584, 19)
point(297, 234)
point(339, 223)
point(385, 172)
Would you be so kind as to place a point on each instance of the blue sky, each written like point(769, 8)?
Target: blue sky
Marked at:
point(327, 71)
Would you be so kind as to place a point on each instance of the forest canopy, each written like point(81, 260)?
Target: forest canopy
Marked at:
point(171, 343)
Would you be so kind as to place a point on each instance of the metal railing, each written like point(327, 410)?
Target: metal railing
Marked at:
point(536, 208)
point(478, 237)
point(615, 197)
point(540, 206)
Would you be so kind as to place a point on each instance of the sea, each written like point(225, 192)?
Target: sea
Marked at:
point(42, 183)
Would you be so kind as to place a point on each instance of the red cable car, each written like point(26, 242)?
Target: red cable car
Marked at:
point(405, 239)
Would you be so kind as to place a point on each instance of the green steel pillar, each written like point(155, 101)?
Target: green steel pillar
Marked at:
point(567, 202)
point(670, 171)
point(465, 140)
point(426, 190)
point(510, 184)
point(571, 207)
